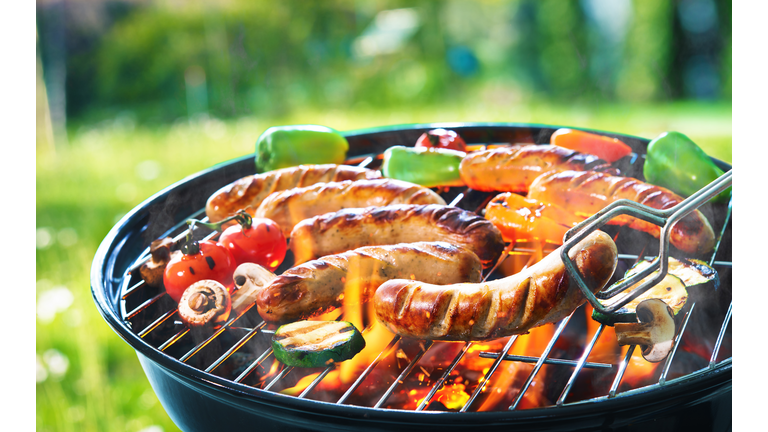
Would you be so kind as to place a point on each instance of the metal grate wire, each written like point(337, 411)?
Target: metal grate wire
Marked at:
point(133, 286)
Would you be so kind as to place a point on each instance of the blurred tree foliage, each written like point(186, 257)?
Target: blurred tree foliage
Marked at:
point(646, 68)
point(247, 58)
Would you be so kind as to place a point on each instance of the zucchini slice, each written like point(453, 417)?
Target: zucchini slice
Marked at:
point(673, 289)
point(316, 343)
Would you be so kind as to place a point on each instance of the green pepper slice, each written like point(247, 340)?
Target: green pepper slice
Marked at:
point(424, 166)
point(287, 146)
point(675, 162)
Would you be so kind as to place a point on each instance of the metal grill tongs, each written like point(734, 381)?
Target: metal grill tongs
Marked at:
point(666, 219)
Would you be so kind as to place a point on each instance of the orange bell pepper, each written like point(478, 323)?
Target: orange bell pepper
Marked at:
point(520, 218)
point(606, 148)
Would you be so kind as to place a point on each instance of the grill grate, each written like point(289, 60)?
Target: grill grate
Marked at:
point(154, 312)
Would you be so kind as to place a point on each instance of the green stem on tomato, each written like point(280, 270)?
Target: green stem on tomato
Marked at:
point(191, 247)
point(434, 139)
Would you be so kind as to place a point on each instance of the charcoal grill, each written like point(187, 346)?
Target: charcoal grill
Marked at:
point(227, 378)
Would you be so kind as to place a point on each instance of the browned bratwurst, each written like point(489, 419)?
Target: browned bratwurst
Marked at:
point(320, 285)
point(248, 192)
point(512, 169)
point(587, 192)
point(540, 294)
point(348, 229)
point(292, 206)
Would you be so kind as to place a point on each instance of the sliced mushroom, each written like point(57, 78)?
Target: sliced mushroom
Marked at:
point(152, 270)
point(249, 279)
point(203, 303)
point(654, 332)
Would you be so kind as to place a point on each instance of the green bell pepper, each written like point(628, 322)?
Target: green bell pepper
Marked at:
point(424, 166)
point(287, 146)
point(675, 162)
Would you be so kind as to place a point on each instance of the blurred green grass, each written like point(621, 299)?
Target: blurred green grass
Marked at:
point(88, 378)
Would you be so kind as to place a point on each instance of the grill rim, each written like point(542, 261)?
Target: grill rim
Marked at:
point(110, 256)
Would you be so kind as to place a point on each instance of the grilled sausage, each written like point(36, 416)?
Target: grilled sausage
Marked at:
point(540, 294)
point(512, 169)
point(586, 193)
point(290, 207)
point(248, 192)
point(319, 286)
point(400, 223)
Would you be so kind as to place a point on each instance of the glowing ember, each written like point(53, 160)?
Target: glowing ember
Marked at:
point(454, 397)
point(376, 368)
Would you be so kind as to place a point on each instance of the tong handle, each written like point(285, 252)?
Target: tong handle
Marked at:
point(666, 219)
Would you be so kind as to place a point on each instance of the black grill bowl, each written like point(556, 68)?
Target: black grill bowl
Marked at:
point(199, 401)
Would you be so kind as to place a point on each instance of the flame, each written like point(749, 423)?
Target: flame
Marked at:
point(273, 370)
point(356, 308)
point(606, 350)
point(509, 378)
point(352, 296)
point(301, 385)
point(453, 396)
point(639, 372)
point(505, 384)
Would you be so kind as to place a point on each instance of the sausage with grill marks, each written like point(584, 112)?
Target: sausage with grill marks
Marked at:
point(587, 192)
point(290, 207)
point(513, 168)
point(319, 286)
point(248, 192)
point(540, 294)
point(348, 229)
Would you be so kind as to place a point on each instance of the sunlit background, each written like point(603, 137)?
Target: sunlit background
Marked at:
point(133, 96)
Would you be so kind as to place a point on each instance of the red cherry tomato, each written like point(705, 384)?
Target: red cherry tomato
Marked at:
point(442, 138)
point(262, 243)
point(212, 261)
